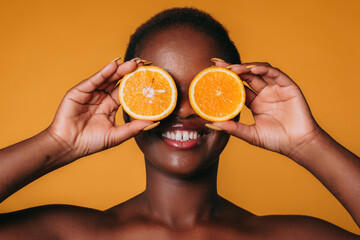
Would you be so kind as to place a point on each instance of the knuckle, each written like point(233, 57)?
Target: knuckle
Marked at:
point(268, 64)
point(276, 69)
point(130, 128)
point(126, 128)
point(265, 64)
point(71, 92)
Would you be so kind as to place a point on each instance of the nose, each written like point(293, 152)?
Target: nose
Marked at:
point(183, 107)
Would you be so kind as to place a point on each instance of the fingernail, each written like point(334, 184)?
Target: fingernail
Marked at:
point(216, 60)
point(137, 60)
point(117, 60)
point(154, 125)
point(250, 66)
point(146, 63)
point(213, 127)
point(233, 66)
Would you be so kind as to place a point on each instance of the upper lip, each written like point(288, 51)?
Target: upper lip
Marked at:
point(178, 126)
point(181, 126)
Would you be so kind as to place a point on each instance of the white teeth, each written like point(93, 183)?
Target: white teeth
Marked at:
point(181, 135)
point(178, 136)
point(185, 136)
point(191, 135)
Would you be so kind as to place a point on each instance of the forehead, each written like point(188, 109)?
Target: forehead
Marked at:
point(182, 51)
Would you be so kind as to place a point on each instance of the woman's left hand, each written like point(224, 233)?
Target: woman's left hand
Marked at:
point(283, 121)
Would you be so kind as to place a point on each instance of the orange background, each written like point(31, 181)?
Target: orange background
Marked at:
point(48, 46)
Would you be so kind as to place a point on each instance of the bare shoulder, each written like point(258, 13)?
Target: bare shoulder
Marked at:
point(53, 222)
point(299, 227)
point(129, 220)
point(280, 226)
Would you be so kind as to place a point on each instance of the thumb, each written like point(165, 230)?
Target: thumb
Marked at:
point(128, 130)
point(243, 131)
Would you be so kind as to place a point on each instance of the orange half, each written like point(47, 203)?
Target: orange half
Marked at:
point(217, 94)
point(148, 93)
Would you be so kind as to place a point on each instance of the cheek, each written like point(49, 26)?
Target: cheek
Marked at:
point(217, 144)
point(145, 143)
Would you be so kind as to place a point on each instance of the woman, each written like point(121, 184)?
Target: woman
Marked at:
point(180, 200)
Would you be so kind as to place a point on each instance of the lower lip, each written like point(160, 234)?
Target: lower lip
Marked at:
point(182, 145)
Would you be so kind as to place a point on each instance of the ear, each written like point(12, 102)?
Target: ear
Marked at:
point(126, 117)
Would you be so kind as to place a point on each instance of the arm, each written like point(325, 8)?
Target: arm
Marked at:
point(284, 124)
point(335, 166)
point(84, 124)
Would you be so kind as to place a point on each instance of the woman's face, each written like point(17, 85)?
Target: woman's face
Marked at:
point(182, 52)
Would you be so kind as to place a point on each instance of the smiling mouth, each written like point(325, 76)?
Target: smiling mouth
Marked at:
point(183, 136)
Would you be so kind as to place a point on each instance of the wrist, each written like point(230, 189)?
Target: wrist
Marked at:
point(57, 152)
point(313, 143)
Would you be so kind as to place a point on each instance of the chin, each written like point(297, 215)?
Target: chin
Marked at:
point(181, 167)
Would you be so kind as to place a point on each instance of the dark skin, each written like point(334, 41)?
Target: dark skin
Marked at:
point(180, 200)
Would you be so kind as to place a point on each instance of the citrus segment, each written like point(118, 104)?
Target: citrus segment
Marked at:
point(148, 93)
point(217, 94)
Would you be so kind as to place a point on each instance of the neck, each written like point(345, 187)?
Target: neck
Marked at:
point(180, 203)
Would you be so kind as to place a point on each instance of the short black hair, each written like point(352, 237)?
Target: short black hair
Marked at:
point(192, 17)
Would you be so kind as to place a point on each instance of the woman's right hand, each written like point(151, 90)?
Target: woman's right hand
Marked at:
point(85, 120)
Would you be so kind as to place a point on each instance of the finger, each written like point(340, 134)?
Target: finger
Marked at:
point(110, 87)
point(114, 91)
point(251, 65)
point(115, 95)
point(257, 83)
point(239, 68)
point(122, 70)
point(254, 81)
point(104, 85)
point(221, 63)
point(240, 130)
point(269, 73)
point(250, 96)
point(128, 130)
point(143, 62)
point(93, 82)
